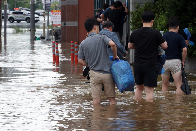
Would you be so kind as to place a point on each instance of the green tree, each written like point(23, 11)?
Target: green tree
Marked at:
point(136, 19)
point(38, 6)
point(20, 3)
point(160, 22)
point(55, 3)
point(184, 10)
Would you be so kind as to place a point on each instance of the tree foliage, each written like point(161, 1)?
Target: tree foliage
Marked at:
point(57, 5)
point(184, 10)
point(25, 4)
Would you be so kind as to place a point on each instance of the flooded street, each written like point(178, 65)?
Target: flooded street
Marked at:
point(36, 95)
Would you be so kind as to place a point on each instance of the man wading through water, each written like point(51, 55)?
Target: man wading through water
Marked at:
point(93, 53)
point(145, 41)
point(175, 56)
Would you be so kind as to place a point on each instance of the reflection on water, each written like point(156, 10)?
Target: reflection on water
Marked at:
point(38, 95)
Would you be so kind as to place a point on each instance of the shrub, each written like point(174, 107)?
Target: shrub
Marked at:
point(163, 10)
point(17, 30)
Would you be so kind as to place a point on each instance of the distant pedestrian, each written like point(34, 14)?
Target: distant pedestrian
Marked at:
point(175, 56)
point(116, 15)
point(105, 6)
point(107, 30)
point(56, 36)
point(93, 53)
point(97, 13)
point(145, 41)
point(97, 16)
point(104, 15)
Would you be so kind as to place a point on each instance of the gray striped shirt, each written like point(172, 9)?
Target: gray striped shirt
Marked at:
point(94, 51)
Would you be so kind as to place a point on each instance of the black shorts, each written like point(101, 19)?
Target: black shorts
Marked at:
point(146, 75)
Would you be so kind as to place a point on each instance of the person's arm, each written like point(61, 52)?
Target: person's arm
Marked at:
point(99, 20)
point(114, 49)
point(187, 42)
point(131, 45)
point(131, 42)
point(102, 17)
point(126, 10)
point(82, 62)
point(184, 50)
point(184, 53)
point(81, 57)
point(119, 46)
point(164, 45)
point(125, 19)
point(161, 40)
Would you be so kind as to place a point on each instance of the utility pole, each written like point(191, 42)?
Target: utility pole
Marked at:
point(44, 18)
point(0, 18)
point(48, 27)
point(5, 20)
point(47, 7)
point(32, 19)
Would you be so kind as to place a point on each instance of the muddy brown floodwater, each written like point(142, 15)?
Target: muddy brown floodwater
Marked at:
point(36, 95)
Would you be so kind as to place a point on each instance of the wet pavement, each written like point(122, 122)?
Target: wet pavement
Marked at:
point(37, 95)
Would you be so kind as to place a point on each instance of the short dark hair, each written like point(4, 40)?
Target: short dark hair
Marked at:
point(105, 6)
point(107, 24)
point(173, 22)
point(118, 4)
point(89, 23)
point(147, 17)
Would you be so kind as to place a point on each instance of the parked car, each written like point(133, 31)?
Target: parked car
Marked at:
point(2, 13)
point(20, 16)
point(40, 12)
point(27, 9)
point(36, 16)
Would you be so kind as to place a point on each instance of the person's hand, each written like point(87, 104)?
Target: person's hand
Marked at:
point(124, 5)
point(115, 57)
point(183, 64)
point(126, 54)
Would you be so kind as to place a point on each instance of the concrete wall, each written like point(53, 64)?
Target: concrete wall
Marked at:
point(86, 10)
point(69, 21)
point(73, 15)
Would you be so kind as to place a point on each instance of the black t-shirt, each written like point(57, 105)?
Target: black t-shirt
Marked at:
point(182, 33)
point(115, 16)
point(146, 41)
point(175, 44)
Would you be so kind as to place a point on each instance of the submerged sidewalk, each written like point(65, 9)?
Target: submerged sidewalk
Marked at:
point(37, 95)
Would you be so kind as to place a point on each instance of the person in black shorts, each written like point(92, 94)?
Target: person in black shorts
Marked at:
point(145, 41)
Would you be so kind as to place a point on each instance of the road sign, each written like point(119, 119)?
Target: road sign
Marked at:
point(56, 17)
point(47, 6)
